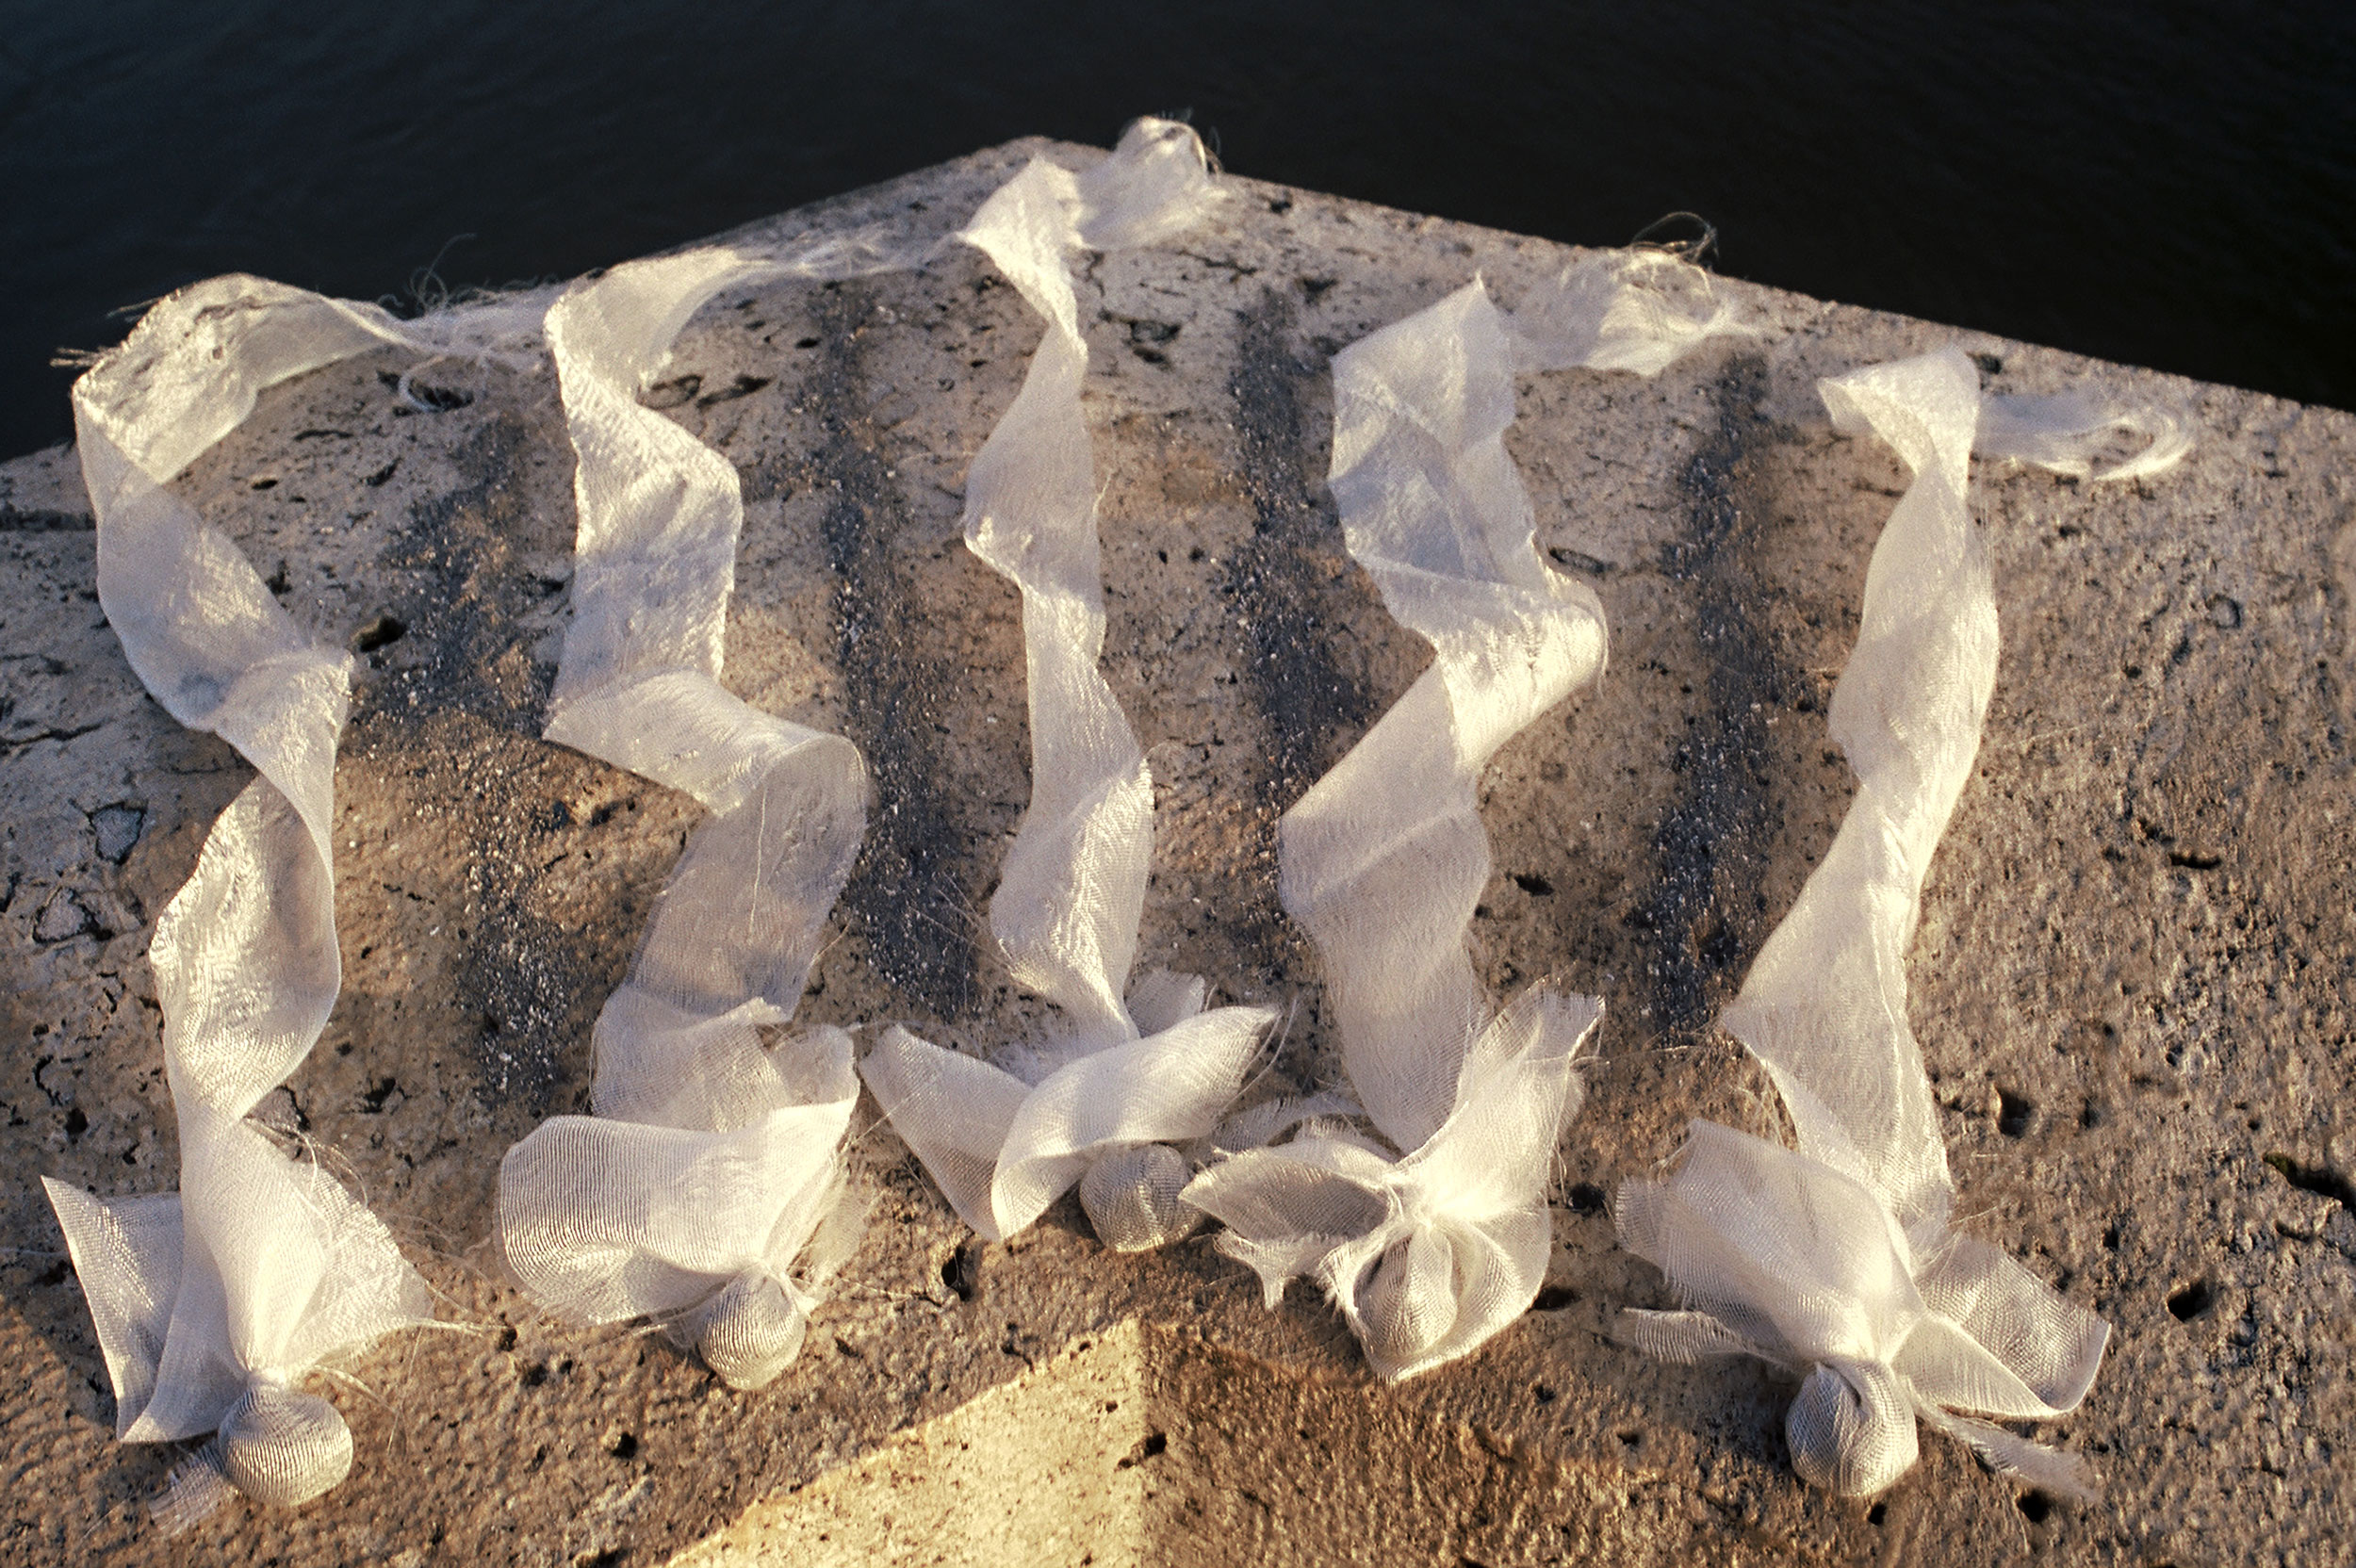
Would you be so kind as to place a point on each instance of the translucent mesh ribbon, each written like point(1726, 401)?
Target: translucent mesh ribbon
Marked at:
point(2067, 432)
point(1836, 1259)
point(1126, 1076)
point(706, 1190)
point(1429, 1252)
point(1640, 309)
point(210, 1303)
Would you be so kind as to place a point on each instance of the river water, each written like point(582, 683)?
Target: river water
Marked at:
point(2169, 185)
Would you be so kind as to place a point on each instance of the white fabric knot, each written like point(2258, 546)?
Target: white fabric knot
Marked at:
point(211, 1302)
point(1131, 1197)
point(1003, 1145)
point(281, 1447)
point(1430, 1253)
point(752, 1329)
point(726, 1230)
point(1836, 1259)
point(1434, 1238)
point(1781, 1257)
point(1097, 1104)
point(1850, 1427)
point(277, 1445)
point(706, 1190)
point(259, 1267)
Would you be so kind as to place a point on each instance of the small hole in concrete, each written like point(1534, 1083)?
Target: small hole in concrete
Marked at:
point(1554, 1298)
point(1154, 1445)
point(624, 1446)
point(380, 632)
point(1719, 946)
point(1543, 1394)
point(2191, 1302)
point(76, 1122)
point(1879, 1513)
point(2015, 1113)
point(671, 394)
point(2318, 1179)
point(1631, 1440)
point(961, 1272)
point(1586, 1198)
point(2036, 1505)
point(1536, 886)
point(743, 386)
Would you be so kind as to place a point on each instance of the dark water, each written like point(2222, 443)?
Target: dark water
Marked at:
point(2167, 185)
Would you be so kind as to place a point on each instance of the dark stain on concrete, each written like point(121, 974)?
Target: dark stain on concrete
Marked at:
point(447, 714)
point(908, 896)
point(1705, 913)
point(43, 520)
point(1291, 590)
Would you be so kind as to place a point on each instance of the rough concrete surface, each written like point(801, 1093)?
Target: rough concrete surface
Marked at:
point(2134, 982)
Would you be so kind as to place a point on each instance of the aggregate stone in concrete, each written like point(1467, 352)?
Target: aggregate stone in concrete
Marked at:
point(2134, 982)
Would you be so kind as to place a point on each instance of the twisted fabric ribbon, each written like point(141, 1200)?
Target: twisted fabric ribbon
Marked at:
point(212, 1303)
point(708, 1189)
point(1430, 1250)
point(1127, 1076)
point(1836, 1258)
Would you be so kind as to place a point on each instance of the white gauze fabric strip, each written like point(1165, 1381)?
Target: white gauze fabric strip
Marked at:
point(708, 1189)
point(2066, 432)
point(1836, 1260)
point(212, 1302)
point(1129, 1075)
point(1430, 1250)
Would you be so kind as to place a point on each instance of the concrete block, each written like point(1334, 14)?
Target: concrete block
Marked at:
point(2133, 983)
